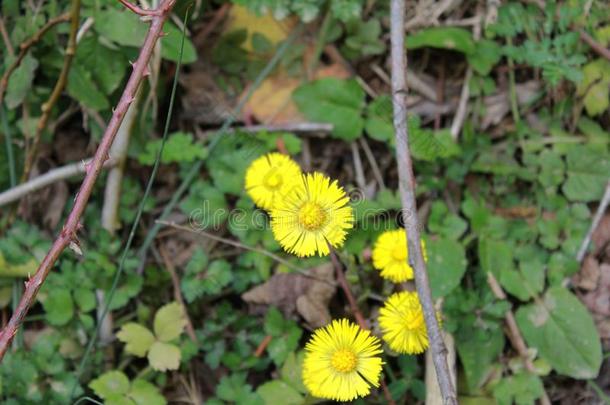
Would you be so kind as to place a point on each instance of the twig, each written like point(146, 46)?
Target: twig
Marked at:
point(190, 330)
point(601, 209)
point(72, 225)
point(513, 332)
point(372, 161)
point(360, 179)
point(118, 151)
point(407, 196)
point(140, 11)
point(5, 38)
point(262, 346)
point(598, 48)
point(240, 245)
point(25, 47)
point(57, 90)
point(353, 304)
point(296, 127)
point(44, 180)
point(460, 114)
point(433, 393)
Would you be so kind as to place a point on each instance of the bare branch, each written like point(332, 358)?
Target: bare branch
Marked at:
point(407, 196)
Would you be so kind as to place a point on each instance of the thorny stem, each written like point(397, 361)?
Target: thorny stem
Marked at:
point(69, 232)
point(407, 196)
point(57, 90)
point(25, 47)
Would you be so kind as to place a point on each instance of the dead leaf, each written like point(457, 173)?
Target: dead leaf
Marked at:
point(240, 18)
point(498, 105)
point(601, 237)
point(588, 276)
point(598, 301)
point(296, 293)
point(272, 103)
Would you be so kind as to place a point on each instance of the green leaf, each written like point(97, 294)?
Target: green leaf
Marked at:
point(478, 354)
point(495, 257)
point(595, 86)
point(520, 389)
point(587, 169)
point(85, 299)
point(485, 56)
point(169, 322)
point(274, 322)
point(59, 307)
point(335, 101)
point(563, 332)
point(525, 282)
point(21, 82)
point(291, 371)
point(170, 45)
point(82, 87)
point(122, 27)
point(275, 392)
point(164, 356)
point(446, 265)
point(110, 383)
point(378, 123)
point(453, 38)
point(144, 393)
point(205, 205)
point(179, 147)
point(136, 337)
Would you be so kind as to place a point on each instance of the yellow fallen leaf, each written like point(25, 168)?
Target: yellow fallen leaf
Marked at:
point(275, 31)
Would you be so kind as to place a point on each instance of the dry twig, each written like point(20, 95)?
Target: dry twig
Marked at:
point(62, 80)
point(25, 47)
point(50, 177)
point(514, 334)
point(407, 196)
point(601, 209)
point(69, 232)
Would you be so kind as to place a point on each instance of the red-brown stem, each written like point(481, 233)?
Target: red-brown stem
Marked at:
point(138, 10)
point(601, 51)
point(355, 309)
point(407, 197)
point(25, 47)
point(262, 346)
point(72, 225)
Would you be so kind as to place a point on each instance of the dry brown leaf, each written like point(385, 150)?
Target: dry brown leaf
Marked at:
point(296, 293)
point(598, 301)
point(601, 237)
point(588, 276)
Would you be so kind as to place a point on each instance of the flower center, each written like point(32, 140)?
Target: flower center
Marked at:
point(399, 253)
point(344, 361)
point(312, 217)
point(273, 180)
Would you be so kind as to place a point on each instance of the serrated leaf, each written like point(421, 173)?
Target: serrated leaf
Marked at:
point(169, 322)
point(588, 170)
point(477, 355)
point(521, 389)
point(144, 393)
point(179, 147)
point(338, 102)
point(136, 337)
point(170, 45)
point(563, 332)
point(291, 371)
point(59, 307)
point(109, 384)
point(164, 356)
point(594, 86)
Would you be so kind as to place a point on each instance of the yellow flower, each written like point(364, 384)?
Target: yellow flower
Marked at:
point(390, 255)
point(313, 213)
point(269, 177)
point(342, 362)
point(402, 322)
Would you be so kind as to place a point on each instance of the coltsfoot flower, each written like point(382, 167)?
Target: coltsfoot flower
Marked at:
point(270, 177)
point(312, 215)
point(402, 323)
point(342, 362)
point(390, 256)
